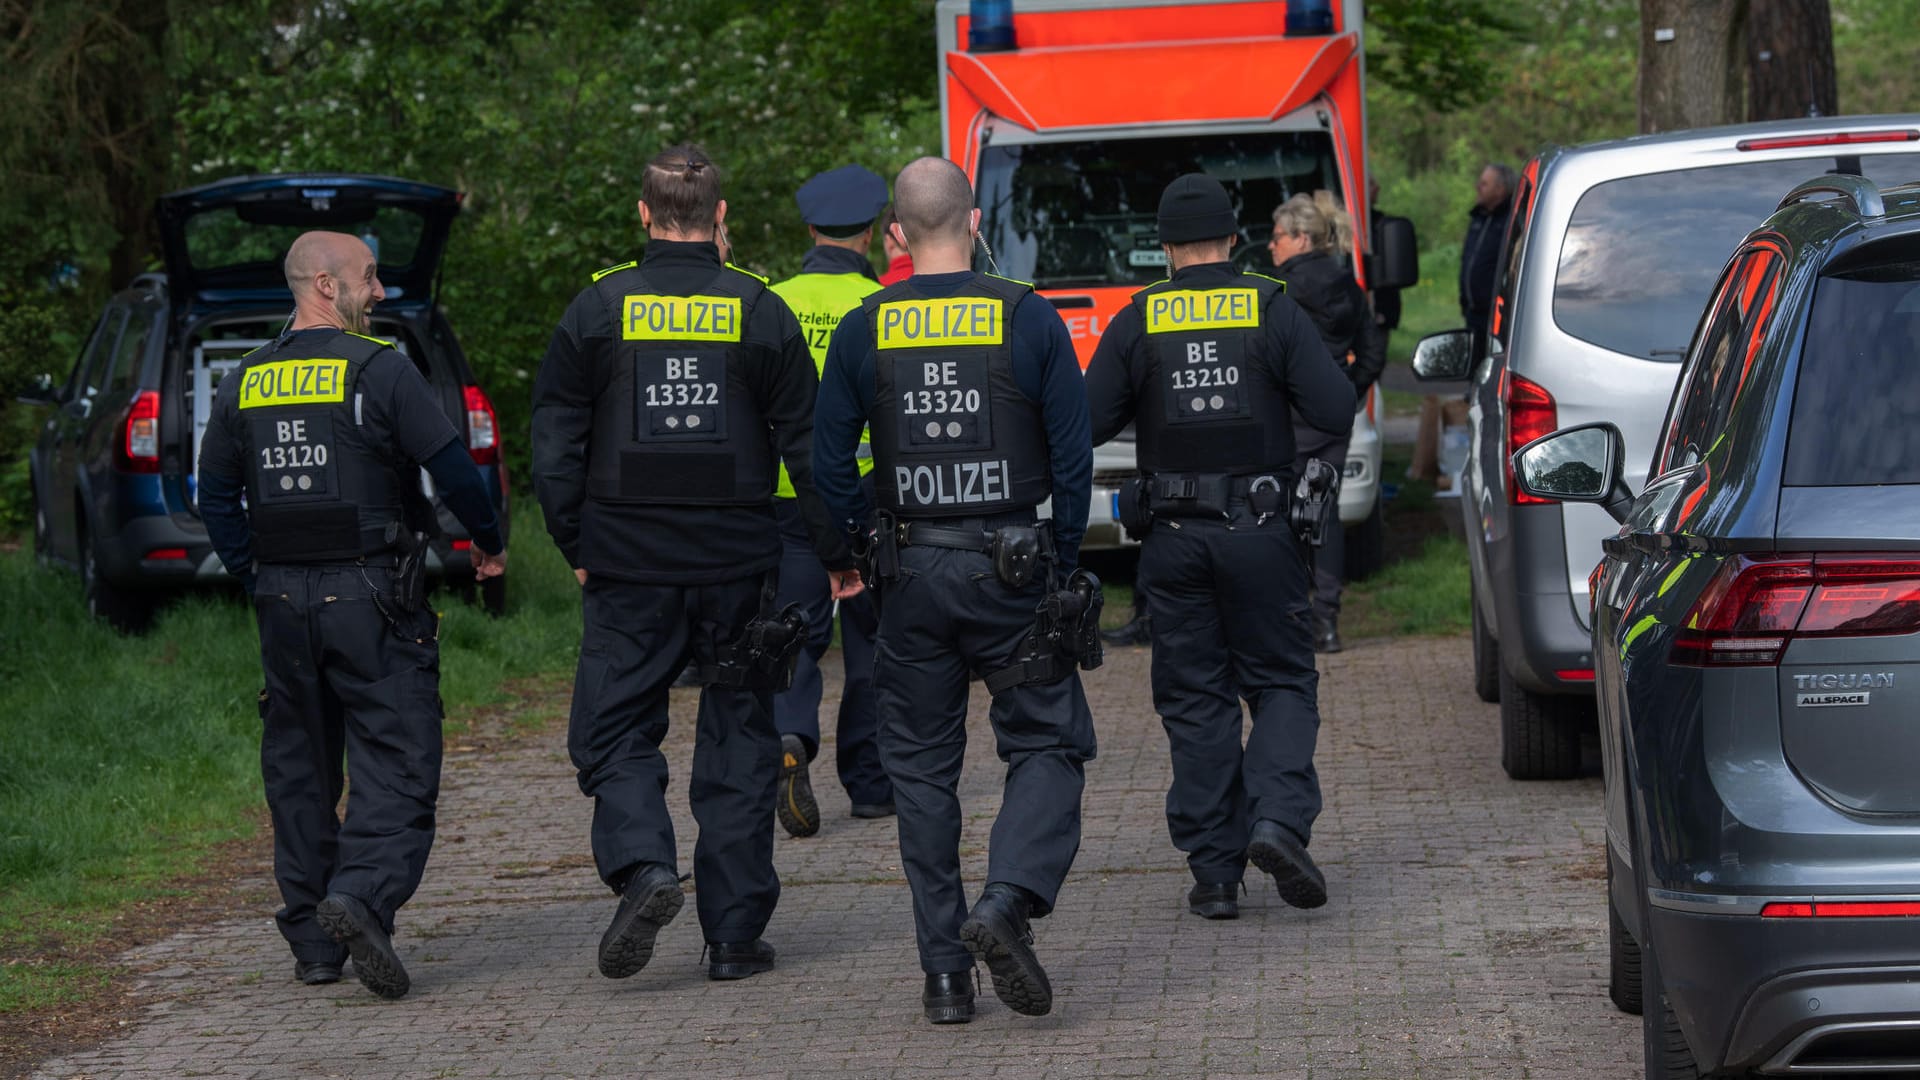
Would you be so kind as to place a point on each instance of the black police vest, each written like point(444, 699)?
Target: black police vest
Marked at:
point(1208, 404)
point(317, 489)
point(677, 420)
point(953, 436)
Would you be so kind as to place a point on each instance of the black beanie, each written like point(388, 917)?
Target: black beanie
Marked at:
point(1196, 207)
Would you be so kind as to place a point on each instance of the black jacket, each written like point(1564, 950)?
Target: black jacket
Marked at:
point(1480, 262)
point(1326, 290)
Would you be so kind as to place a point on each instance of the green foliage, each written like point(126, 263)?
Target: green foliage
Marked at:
point(1444, 52)
point(116, 782)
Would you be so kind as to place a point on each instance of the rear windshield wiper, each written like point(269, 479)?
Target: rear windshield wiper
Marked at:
point(1667, 352)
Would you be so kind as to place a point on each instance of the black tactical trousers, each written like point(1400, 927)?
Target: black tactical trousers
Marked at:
point(1230, 622)
point(636, 640)
point(947, 617)
point(797, 711)
point(344, 681)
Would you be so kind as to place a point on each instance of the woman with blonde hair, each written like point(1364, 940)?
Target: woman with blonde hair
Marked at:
point(1312, 246)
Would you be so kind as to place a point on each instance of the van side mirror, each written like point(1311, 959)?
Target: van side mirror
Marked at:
point(41, 391)
point(1444, 357)
point(1584, 463)
point(1395, 261)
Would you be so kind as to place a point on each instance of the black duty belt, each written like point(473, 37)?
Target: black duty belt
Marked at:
point(925, 534)
point(383, 560)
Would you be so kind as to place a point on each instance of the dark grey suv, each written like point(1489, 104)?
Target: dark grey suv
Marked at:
point(113, 468)
point(1756, 638)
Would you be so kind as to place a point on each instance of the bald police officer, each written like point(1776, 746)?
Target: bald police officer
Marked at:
point(666, 392)
point(324, 433)
point(839, 208)
point(1206, 363)
point(978, 413)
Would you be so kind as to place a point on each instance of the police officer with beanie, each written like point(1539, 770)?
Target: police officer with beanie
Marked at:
point(324, 432)
point(978, 413)
point(839, 208)
point(668, 388)
point(1207, 364)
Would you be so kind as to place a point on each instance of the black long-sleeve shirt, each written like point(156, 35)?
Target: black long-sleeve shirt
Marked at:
point(1325, 289)
point(1309, 378)
point(400, 412)
point(1043, 364)
point(673, 544)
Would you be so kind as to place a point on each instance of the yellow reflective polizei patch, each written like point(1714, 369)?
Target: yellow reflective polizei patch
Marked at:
point(1186, 310)
point(294, 382)
point(680, 318)
point(925, 324)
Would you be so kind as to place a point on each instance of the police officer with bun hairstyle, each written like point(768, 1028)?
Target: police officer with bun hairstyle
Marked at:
point(669, 387)
point(978, 414)
point(839, 208)
point(1207, 363)
point(324, 432)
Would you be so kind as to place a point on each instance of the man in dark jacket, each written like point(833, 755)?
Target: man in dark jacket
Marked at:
point(1480, 255)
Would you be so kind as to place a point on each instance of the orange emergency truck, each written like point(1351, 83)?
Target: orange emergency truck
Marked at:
point(1071, 116)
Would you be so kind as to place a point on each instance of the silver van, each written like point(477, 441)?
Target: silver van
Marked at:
point(1611, 252)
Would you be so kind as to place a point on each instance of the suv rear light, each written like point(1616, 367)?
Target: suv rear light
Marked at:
point(482, 443)
point(140, 442)
point(1530, 414)
point(1842, 909)
point(1832, 138)
point(1753, 607)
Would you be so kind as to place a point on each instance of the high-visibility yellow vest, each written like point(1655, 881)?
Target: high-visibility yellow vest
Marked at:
point(819, 301)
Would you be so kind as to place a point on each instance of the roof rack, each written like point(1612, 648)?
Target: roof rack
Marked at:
point(1858, 190)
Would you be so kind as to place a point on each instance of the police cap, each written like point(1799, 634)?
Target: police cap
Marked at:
point(842, 202)
point(1196, 207)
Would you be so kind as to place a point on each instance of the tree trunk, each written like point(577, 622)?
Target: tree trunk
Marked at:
point(1692, 63)
point(1790, 50)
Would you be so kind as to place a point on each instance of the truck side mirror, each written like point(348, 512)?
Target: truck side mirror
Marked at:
point(1395, 261)
point(1444, 357)
point(1584, 463)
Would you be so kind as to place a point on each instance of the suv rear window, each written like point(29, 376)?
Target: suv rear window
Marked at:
point(1856, 408)
point(1641, 253)
point(229, 236)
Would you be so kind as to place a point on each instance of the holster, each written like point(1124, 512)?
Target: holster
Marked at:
point(1065, 635)
point(1188, 494)
point(763, 656)
point(1019, 552)
point(1131, 509)
point(410, 573)
point(1316, 497)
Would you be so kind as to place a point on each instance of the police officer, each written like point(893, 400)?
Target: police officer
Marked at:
point(324, 432)
point(1207, 362)
point(669, 387)
point(977, 410)
point(839, 208)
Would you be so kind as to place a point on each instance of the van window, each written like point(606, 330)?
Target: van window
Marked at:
point(1856, 404)
point(1085, 213)
point(91, 367)
point(132, 349)
point(1638, 262)
point(1722, 359)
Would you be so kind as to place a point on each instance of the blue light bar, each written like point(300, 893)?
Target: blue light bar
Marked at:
point(990, 26)
point(1309, 17)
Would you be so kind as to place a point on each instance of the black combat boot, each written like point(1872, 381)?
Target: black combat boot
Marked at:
point(738, 959)
point(1275, 851)
point(374, 961)
point(948, 998)
point(798, 811)
point(650, 901)
point(997, 934)
point(1215, 899)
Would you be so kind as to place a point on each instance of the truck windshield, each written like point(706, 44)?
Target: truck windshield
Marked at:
point(1081, 213)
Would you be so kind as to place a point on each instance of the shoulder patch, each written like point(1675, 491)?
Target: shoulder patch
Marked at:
point(615, 268)
point(1004, 277)
point(1275, 280)
point(749, 273)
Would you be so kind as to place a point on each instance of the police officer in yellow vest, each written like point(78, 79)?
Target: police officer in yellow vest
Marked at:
point(839, 208)
point(668, 390)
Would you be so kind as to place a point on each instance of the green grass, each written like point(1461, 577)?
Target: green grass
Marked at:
point(1426, 594)
point(1431, 306)
point(127, 759)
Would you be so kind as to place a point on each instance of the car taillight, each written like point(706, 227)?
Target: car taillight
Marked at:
point(1530, 415)
point(1842, 909)
point(482, 442)
point(140, 442)
point(1753, 607)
